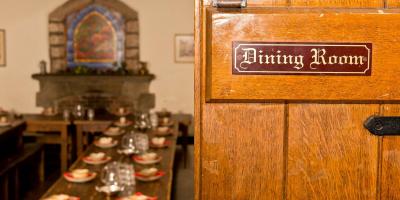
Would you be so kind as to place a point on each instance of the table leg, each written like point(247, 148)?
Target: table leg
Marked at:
point(64, 149)
point(41, 166)
point(79, 140)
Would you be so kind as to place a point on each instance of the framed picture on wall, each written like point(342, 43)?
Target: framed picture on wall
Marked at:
point(184, 48)
point(2, 47)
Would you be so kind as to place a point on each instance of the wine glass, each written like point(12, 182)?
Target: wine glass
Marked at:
point(91, 114)
point(153, 119)
point(127, 178)
point(142, 142)
point(143, 122)
point(128, 143)
point(110, 174)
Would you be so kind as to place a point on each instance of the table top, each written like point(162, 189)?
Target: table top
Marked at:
point(160, 188)
point(40, 118)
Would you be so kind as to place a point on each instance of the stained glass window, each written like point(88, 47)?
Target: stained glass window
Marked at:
point(95, 38)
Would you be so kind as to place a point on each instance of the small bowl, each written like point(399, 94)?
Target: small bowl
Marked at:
point(163, 129)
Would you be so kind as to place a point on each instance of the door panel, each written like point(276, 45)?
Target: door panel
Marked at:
point(390, 159)
point(257, 3)
point(314, 150)
point(330, 154)
point(339, 3)
point(242, 151)
point(393, 3)
point(282, 25)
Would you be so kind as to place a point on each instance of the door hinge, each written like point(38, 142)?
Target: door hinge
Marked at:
point(230, 3)
point(383, 125)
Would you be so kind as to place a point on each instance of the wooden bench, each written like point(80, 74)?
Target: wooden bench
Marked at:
point(18, 168)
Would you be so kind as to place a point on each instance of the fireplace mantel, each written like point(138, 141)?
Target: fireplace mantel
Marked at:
point(73, 77)
point(57, 87)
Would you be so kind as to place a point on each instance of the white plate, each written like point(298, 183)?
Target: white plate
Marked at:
point(128, 123)
point(170, 123)
point(70, 178)
point(106, 146)
point(167, 133)
point(58, 196)
point(147, 162)
point(88, 160)
point(160, 146)
point(137, 194)
point(113, 133)
point(150, 178)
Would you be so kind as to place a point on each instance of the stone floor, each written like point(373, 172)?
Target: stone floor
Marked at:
point(183, 185)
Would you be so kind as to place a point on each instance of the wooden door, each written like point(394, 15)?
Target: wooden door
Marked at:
point(294, 136)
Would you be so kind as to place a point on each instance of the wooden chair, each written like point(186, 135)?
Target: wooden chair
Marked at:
point(184, 123)
point(51, 131)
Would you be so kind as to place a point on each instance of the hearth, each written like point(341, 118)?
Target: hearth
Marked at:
point(95, 91)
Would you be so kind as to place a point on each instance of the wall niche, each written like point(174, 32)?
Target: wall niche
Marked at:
point(98, 34)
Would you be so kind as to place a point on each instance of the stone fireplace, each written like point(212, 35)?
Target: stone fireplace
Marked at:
point(95, 91)
point(94, 58)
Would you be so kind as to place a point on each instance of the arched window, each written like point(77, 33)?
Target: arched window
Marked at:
point(95, 38)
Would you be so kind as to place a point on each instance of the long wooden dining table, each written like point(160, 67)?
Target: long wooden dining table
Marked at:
point(160, 188)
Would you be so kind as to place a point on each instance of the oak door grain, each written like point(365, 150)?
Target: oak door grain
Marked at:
point(330, 154)
point(390, 159)
point(393, 3)
point(242, 151)
point(281, 25)
point(339, 3)
point(257, 3)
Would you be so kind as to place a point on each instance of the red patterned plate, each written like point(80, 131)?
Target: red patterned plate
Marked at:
point(140, 160)
point(164, 145)
point(136, 196)
point(157, 176)
point(106, 146)
point(61, 196)
point(70, 178)
point(91, 161)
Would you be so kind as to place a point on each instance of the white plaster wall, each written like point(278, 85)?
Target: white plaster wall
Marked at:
point(25, 22)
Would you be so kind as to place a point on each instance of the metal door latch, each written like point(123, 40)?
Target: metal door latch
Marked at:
point(229, 3)
point(381, 126)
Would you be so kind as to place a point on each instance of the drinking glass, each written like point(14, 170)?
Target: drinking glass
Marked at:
point(142, 142)
point(66, 115)
point(79, 111)
point(143, 122)
point(128, 141)
point(127, 178)
point(154, 119)
point(91, 114)
point(110, 174)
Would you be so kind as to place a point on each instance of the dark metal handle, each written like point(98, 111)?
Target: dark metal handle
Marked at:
point(381, 126)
